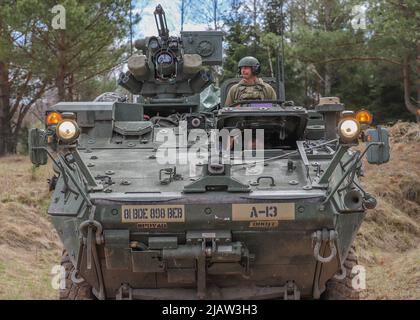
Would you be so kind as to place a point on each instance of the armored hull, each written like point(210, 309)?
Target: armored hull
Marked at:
point(162, 238)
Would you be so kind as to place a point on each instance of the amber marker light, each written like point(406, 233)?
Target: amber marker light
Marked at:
point(53, 118)
point(364, 117)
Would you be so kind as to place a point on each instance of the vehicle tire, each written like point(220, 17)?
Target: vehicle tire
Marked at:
point(74, 291)
point(343, 289)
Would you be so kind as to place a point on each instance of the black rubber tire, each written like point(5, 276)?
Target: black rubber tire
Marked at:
point(74, 291)
point(343, 289)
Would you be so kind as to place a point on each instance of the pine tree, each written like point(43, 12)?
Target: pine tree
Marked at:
point(35, 57)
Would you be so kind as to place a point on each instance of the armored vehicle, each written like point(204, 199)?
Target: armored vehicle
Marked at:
point(162, 199)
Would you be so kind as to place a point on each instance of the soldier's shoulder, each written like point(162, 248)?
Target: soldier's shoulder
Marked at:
point(269, 90)
point(268, 86)
point(265, 84)
point(234, 87)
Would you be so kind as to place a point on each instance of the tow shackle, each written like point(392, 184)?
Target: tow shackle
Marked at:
point(85, 225)
point(318, 237)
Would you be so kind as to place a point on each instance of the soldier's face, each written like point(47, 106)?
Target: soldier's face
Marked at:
point(246, 72)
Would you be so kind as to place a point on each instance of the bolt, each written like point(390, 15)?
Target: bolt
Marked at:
point(69, 157)
point(134, 244)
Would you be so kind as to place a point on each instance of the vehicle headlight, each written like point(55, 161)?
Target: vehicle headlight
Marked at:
point(348, 129)
point(68, 131)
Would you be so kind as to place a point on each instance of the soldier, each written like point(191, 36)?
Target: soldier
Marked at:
point(250, 87)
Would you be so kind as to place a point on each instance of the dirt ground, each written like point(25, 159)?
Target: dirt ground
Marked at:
point(387, 244)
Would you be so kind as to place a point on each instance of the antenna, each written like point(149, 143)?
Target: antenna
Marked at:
point(280, 62)
point(131, 97)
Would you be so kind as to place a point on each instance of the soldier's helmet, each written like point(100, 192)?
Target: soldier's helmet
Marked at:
point(250, 62)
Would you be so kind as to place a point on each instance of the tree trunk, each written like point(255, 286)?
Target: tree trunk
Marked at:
point(411, 107)
point(327, 78)
point(305, 21)
point(291, 21)
point(254, 19)
point(60, 84)
point(14, 137)
point(5, 129)
point(215, 14)
point(61, 74)
point(306, 86)
point(328, 26)
point(418, 82)
point(182, 14)
point(70, 94)
point(4, 101)
point(270, 62)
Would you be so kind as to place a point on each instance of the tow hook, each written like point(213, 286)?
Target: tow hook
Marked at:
point(90, 240)
point(324, 235)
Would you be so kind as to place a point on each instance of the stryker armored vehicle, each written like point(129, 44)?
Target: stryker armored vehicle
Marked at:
point(151, 204)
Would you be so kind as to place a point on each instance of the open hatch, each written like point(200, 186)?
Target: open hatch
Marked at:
point(282, 126)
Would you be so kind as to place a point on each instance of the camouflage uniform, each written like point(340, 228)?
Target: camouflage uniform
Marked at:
point(258, 91)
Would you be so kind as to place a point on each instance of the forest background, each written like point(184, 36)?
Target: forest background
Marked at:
point(365, 52)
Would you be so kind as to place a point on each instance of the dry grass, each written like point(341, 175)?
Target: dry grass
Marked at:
point(394, 276)
point(388, 242)
point(29, 246)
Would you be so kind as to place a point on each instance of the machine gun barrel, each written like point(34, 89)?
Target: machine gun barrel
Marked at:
point(160, 20)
